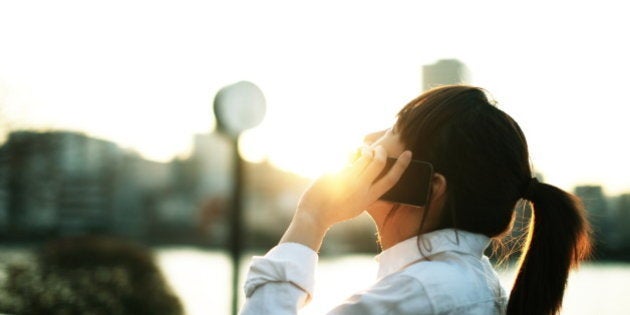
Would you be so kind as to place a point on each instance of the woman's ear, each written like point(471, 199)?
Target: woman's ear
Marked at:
point(438, 189)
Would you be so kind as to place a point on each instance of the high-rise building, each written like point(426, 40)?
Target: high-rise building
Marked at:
point(443, 72)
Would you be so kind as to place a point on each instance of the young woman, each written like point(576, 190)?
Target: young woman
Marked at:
point(432, 260)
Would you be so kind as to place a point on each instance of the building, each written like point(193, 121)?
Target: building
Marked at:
point(59, 181)
point(199, 196)
point(598, 213)
point(140, 184)
point(4, 193)
point(622, 222)
point(68, 183)
point(444, 72)
point(213, 159)
point(594, 200)
point(56, 183)
point(272, 196)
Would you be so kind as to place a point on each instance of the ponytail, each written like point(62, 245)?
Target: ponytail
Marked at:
point(558, 239)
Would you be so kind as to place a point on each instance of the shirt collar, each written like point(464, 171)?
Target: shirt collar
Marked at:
point(407, 252)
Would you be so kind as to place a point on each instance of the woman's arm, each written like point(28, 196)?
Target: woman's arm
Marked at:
point(335, 198)
point(281, 282)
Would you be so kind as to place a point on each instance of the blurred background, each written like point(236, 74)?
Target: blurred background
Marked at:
point(106, 121)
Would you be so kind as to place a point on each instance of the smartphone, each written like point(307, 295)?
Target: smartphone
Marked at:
point(414, 186)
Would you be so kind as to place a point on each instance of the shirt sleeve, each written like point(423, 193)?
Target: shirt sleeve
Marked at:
point(281, 282)
point(398, 294)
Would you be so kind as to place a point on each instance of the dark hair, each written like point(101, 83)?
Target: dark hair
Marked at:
point(482, 153)
point(90, 275)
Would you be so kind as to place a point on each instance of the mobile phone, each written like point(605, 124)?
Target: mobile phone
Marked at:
point(414, 186)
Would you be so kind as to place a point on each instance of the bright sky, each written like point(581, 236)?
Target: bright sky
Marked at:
point(144, 73)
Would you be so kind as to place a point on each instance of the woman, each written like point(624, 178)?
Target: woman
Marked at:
point(432, 260)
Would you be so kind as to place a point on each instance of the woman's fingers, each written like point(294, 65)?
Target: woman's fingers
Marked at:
point(338, 197)
point(391, 178)
point(375, 167)
point(359, 165)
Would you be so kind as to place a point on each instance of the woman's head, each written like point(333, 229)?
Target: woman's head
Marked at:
point(480, 151)
point(482, 155)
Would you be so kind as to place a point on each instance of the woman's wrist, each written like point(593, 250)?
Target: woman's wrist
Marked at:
point(305, 230)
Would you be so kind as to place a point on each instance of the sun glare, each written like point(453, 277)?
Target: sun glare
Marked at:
point(307, 152)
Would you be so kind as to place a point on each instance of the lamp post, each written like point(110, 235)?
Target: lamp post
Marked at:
point(237, 107)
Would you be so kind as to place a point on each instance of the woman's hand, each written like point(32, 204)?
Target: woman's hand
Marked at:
point(342, 196)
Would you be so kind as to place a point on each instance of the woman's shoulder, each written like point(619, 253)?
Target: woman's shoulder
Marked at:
point(427, 287)
point(451, 283)
point(442, 270)
point(394, 294)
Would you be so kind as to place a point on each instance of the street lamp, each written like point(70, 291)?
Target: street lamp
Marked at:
point(237, 107)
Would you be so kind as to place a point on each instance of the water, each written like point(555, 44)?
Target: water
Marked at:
point(202, 280)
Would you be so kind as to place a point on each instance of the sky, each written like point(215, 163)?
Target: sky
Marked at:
point(144, 73)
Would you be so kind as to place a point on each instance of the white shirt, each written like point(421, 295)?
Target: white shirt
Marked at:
point(443, 272)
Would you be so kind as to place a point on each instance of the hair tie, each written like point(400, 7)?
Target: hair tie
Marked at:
point(531, 187)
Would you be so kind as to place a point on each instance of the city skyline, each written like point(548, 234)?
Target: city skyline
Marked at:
point(147, 80)
point(63, 183)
